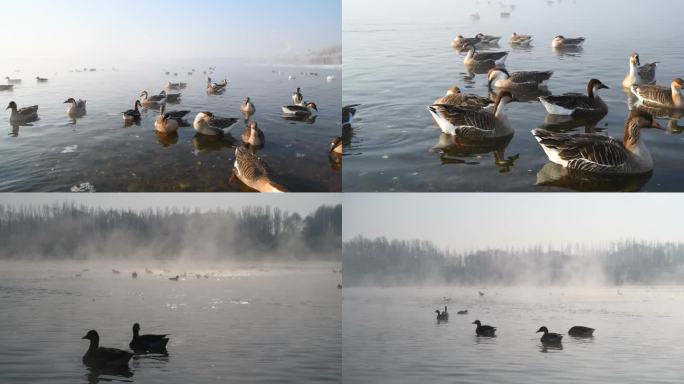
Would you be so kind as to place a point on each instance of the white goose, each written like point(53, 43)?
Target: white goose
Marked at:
point(215, 88)
point(151, 101)
point(468, 123)
point(22, 115)
point(254, 172)
point(12, 81)
point(601, 155)
point(527, 80)
point(209, 125)
point(166, 124)
point(171, 97)
point(460, 42)
point(575, 104)
point(639, 74)
point(521, 39)
point(484, 58)
point(253, 136)
point(307, 110)
point(657, 96)
point(561, 41)
point(76, 108)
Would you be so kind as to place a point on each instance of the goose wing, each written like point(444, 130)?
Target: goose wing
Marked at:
point(176, 114)
point(648, 72)
point(572, 101)
point(587, 152)
point(222, 122)
point(28, 111)
point(471, 122)
point(573, 41)
point(297, 108)
point(250, 166)
point(465, 100)
point(112, 355)
point(494, 56)
point(528, 77)
point(654, 94)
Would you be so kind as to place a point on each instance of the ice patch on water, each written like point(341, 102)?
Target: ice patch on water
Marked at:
point(83, 187)
point(70, 149)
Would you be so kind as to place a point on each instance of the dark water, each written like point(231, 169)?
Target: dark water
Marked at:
point(400, 63)
point(56, 153)
point(391, 335)
point(252, 325)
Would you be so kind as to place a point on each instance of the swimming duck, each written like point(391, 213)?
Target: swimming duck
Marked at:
point(548, 337)
point(484, 330)
point(214, 88)
point(474, 58)
point(639, 74)
point(305, 110)
point(165, 124)
point(463, 312)
point(336, 146)
point(247, 107)
point(488, 39)
point(149, 101)
point(348, 113)
point(174, 278)
point(22, 115)
point(175, 115)
point(207, 124)
point(253, 135)
point(7, 87)
point(520, 39)
point(171, 97)
point(575, 104)
point(41, 79)
point(580, 331)
point(132, 114)
point(145, 343)
point(12, 81)
point(602, 155)
point(254, 172)
point(500, 78)
point(443, 316)
point(148, 271)
point(460, 42)
point(76, 108)
point(455, 97)
point(561, 41)
point(134, 275)
point(116, 272)
point(469, 123)
point(102, 357)
point(297, 97)
point(658, 96)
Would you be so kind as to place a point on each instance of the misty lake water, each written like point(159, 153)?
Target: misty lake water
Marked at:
point(255, 325)
point(390, 335)
point(398, 65)
point(56, 153)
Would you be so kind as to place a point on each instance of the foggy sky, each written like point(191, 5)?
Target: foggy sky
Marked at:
point(293, 202)
point(469, 221)
point(166, 29)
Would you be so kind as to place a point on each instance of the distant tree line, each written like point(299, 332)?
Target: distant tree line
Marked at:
point(397, 262)
point(69, 231)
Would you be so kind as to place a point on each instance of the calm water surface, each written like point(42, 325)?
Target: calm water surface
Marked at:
point(390, 335)
point(400, 64)
point(57, 153)
point(249, 326)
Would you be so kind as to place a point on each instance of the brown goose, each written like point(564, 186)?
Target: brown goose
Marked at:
point(306, 109)
point(601, 155)
point(460, 42)
point(574, 104)
point(247, 107)
point(484, 330)
point(101, 357)
point(500, 78)
point(455, 97)
point(254, 172)
point(206, 123)
point(580, 331)
point(639, 74)
point(469, 123)
point(488, 39)
point(297, 97)
point(253, 135)
point(165, 124)
point(22, 115)
point(658, 96)
point(474, 58)
point(520, 39)
point(336, 145)
point(561, 41)
point(550, 338)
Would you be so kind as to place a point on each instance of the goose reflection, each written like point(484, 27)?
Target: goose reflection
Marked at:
point(555, 175)
point(301, 119)
point(99, 375)
point(546, 348)
point(167, 140)
point(15, 127)
point(568, 51)
point(526, 96)
point(204, 143)
point(453, 151)
point(562, 124)
point(672, 115)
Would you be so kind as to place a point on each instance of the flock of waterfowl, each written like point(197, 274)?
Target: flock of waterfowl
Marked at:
point(475, 120)
point(548, 338)
point(117, 359)
point(248, 167)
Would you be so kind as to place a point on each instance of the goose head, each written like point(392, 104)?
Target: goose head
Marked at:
point(335, 143)
point(253, 127)
point(634, 59)
point(203, 118)
point(594, 85)
point(247, 100)
point(677, 85)
point(437, 311)
point(543, 329)
point(163, 92)
point(70, 100)
point(453, 91)
point(136, 328)
point(143, 95)
point(496, 74)
point(477, 322)
point(502, 100)
point(137, 104)
point(91, 335)
point(12, 105)
point(313, 106)
point(480, 36)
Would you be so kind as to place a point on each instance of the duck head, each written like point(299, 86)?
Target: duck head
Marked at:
point(634, 59)
point(312, 106)
point(203, 117)
point(477, 322)
point(543, 329)
point(594, 85)
point(143, 94)
point(91, 335)
point(247, 100)
point(453, 91)
point(12, 105)
point(69, 100)
point(496, 74)
point(136, 329)
point(677, 85)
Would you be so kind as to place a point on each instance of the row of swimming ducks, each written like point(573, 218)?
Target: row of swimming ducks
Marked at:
point(12, 82)
point(113, 358)
point(483, 41)
point(469, 118)
point(547, 337)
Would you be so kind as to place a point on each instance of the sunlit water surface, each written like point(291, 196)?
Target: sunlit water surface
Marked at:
point(390, 335)
point(254, 325)
point(400, 63)
point(97, 152)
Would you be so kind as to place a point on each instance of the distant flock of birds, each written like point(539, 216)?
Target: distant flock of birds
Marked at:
point(476, 120)
point(249, 168)
point(547, 339)
point(117, 359)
